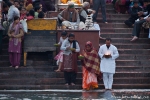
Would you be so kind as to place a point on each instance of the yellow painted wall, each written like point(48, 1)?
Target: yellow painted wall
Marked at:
point(42, 24)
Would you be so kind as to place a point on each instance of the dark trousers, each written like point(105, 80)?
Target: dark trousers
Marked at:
point(96, 5)
point(70, 77)
point(130, 22)
point(137, 28)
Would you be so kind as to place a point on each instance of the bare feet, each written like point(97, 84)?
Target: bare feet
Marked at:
point(106, 22)
point(16, 67)
point(134, 38)
point(58, 70)
point(72, 84)
point(66, 84)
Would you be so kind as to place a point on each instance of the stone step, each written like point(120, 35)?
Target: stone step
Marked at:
point(42, 87)
point(134, 51)
point(59, 81)
point(118, 45)
point(39, 72)
point(121, 57)
point(117, 30)
point(110, 6)
point(119, 62)
point(112, 20)
point(125, 16)
point(134, 57)
point(109, 11)
point(113, 25)
point(132, 63)
point(130, 46)
point(124, 35)
point(127, 40)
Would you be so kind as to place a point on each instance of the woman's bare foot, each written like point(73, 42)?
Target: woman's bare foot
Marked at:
point(134, 38)
point(106, 22)
point(16, 67)
point(72, 84)
point(58, 70)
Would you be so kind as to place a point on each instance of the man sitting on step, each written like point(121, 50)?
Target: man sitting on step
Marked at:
point(135, 14)
point(69, 16)
point(138, 24)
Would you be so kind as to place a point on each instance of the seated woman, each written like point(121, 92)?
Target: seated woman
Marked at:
point(41, 14)
point(91, 69)
point(37, 10)
point(69, 16)
point(31, 15)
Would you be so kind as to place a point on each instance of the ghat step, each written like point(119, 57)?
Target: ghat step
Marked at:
point(121, 57)
point(42, 87)
point(124, 35)
point(59, 81)
point(38, 72)
point(127, 40)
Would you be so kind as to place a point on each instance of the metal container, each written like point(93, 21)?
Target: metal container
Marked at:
point(76, 27)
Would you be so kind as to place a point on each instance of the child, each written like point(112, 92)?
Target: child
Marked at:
point(23, 13)
point(59, 57)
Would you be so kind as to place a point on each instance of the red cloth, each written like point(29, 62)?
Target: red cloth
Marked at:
point(30, 17)
point(91, 60)
point(69, 63)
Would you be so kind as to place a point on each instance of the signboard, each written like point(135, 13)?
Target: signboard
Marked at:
point(42, 24)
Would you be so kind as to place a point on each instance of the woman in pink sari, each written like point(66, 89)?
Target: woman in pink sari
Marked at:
point(15, 34)
point(91, 69)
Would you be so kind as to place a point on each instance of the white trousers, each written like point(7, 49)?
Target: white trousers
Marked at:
point(108, 80)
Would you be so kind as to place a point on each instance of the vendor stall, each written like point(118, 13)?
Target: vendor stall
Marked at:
point(41, 36)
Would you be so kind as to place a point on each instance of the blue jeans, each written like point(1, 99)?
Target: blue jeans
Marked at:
point(96, 5)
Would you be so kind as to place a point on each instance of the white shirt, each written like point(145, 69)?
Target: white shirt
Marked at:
point(61, 40)
point(108, 64)
point(66, 44)
point(12, 12)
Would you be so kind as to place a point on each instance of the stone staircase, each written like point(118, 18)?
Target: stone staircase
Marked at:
point(132, 72)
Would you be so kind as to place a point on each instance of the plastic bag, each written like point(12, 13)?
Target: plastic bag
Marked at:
point(24, 25)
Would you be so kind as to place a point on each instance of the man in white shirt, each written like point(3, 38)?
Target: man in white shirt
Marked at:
point(12, 12)
point(108, 53)
point(70, 49)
